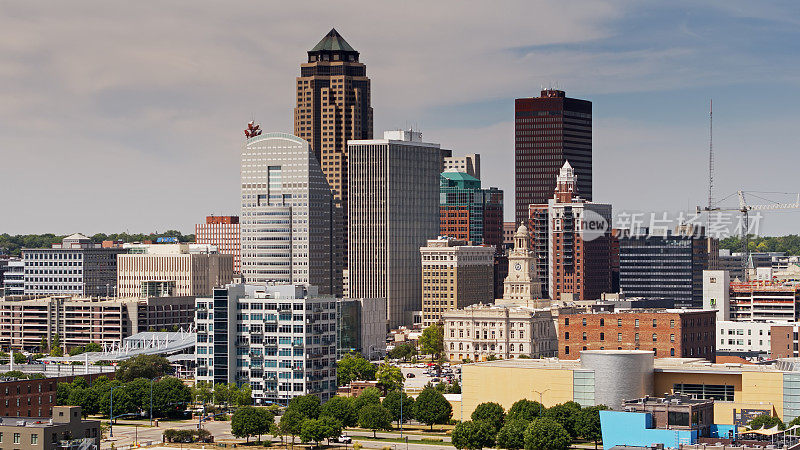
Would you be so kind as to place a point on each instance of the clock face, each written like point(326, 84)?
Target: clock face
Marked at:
point(517, 266)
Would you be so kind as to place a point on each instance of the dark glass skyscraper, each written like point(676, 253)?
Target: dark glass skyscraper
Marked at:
point(549, 131)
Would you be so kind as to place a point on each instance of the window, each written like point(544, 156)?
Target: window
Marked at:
point(636, 337)
point(655, 323)
point(678, 418)
point(566, 321)
point(619, 322)
point(672, 338)
point(566, 335)
point(34, 439)
point(584, 335)
point(672, 352)
point(721, 392)
point(602, 322)
point(602, 336)
point(636, 323)
point(655, 337)
point(566, 350)
point(583, 321)
point(619, 337)
point(16, 438)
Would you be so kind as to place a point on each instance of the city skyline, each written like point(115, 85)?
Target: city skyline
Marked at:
point(157, 128)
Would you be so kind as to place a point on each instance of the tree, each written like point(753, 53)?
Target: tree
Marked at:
point(43, 345)
point(512, 435)
point(170, 396)
point(290, 423)
point(525, 410)
point(432, 341)
point(390, 377)
point(86, 398)
point(240, 396)
point(392, 402)
point(432, 408)
point(19, 358)
point(795, 421)
point(455, 388)
point(202, 392)
point(369, 396)
point(142, 366)
point(307, 405)
point(93, 347)
point(62, 393)
point(342, 409)
point(473, 435)
point(315, 430)
point(55, 347)
point(403, 351)
point(766, 421)
point(354, 367)
point(375, 417)
point(491, 413)
point(587, 424)
point(546, 434)
point(565, 414)
point(222, 393)
point(246, 422)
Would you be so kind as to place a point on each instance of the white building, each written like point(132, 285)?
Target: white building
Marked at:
point(288, 215)
point(14, 278)
point(470, 164)
point(716, 293)
point(393, 210)
point(744, 337)
point(281, 339)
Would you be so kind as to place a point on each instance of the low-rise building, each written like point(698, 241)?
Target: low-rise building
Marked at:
point(667, 333)
point(280, 339)
point(745, 338)
point(64, 430)
point(14, 278)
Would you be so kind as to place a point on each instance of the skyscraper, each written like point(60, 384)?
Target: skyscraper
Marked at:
point(288, 215)
point(549, 130)
point(333, 107)
point(223, 233)
point(394, 210)
point(468, 212)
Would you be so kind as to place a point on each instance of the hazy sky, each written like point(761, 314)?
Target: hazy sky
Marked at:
point(128, 116)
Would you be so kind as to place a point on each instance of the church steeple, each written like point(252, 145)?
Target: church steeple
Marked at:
point(566, 183)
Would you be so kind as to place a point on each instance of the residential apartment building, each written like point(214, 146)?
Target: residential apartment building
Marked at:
point(223, 233)
point(745, 338)
point(550, 130)
point(469, 164)
point(394, 210)
point(764, 301)
point(64, 430)
point(784, 340)
point(454, 276)
point(469, 213)
point(81, 320)
point(289, 215)
point(572, 242)
point(14, 278)
point(76, 266)
point(280, 339)
point(668, 333)
point(195, 269)
point(665, 263)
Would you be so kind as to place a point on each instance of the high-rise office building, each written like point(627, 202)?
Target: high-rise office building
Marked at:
point(572, 238)
point(468, 212)
point(333, 107)
point(394, 210)
point(470, 164)
point(454, 276)
point(288, 215)
point(223, 233)
point(550, 130)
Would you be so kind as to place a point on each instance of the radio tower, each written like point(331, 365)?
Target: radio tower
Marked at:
point(710, 162)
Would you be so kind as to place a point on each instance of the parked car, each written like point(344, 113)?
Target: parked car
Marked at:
point(410, 375)
point(344, 439)
point(435, 380)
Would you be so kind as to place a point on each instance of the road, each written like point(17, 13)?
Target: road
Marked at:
point(126, 435)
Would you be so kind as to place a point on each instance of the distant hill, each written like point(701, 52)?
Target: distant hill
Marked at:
point(789, 244)
point(12, 245)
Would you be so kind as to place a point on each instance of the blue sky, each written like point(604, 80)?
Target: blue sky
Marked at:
point(130, 119)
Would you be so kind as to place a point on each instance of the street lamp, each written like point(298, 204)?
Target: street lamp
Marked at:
point(151, 401)
point(541, 395)
point(111, 414)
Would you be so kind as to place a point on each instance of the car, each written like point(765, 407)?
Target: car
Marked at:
point(344, 439)
point(435, 380)
point(410, 375)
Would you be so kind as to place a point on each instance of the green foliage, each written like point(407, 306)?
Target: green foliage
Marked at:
point(14, 244)
point(390, 377)
point(354, 367)
point(789, 244)
point(766, 421)
point(249, 421)
point(202, 392)
point(307, 405)
point(187, 435)
point(142, 366)
point(473, 435)
point(525, 410)
point(342, 409)
point(19, 358)
point(432, 340)
point(392, 402)
point(491, 413)
point(375, 417)
point(512, 435)
point(403, 351)
point(290, 423)
point(240, 395)
point(90, 347)
point(432, 408)
point(170, 396)
point(222, 393)
point(565, 414)
point(587, 424)
point(55, 347)
point(546, 434)
point(455, 388)
point(315, 430)
point(369, 396)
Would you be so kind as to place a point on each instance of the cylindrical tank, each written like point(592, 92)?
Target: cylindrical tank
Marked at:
point(619, 375)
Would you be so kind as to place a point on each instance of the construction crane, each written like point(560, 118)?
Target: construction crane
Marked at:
point(745, 209)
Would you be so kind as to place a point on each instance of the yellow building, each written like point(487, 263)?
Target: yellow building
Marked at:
point(740, 391)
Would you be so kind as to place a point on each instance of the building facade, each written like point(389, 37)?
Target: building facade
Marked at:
point(14, 278)
point(223, 233)
point(394, 210)
point(454, 276)
point(78, 321)
point(469, 213)
point(75, 267)
point(469, 164)
point(289, 216)
point(765, 301)
point(572, 242)
point(668, 333)
point(64, 430)
point(550, 130)
point(193, 271)
point(361, 327)
point(280, 339)
point(522, 286)
point(745, 338)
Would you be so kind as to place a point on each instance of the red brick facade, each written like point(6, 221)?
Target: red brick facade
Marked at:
point(668, 333)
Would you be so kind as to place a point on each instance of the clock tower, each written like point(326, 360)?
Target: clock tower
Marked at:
point(522, 286)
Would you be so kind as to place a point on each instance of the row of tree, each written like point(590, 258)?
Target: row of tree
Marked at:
point(789, 244)
point(529, 425)
point(13, 244)
point(354, 367)
point(768, 421)
point(223, 394)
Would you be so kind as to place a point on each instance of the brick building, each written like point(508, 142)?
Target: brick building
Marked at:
point(223, 233)
point(667, 332)
point(35, 398)
point(469, 213)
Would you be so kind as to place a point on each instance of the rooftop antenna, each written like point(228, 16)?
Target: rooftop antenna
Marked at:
point(710, 161)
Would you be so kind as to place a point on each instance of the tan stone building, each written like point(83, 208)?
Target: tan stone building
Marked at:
point(195, 271)
point(65, 430)
point(454, 275)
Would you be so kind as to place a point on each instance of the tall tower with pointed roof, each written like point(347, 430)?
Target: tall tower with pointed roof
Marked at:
point(333, 107)
point(522, 286)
